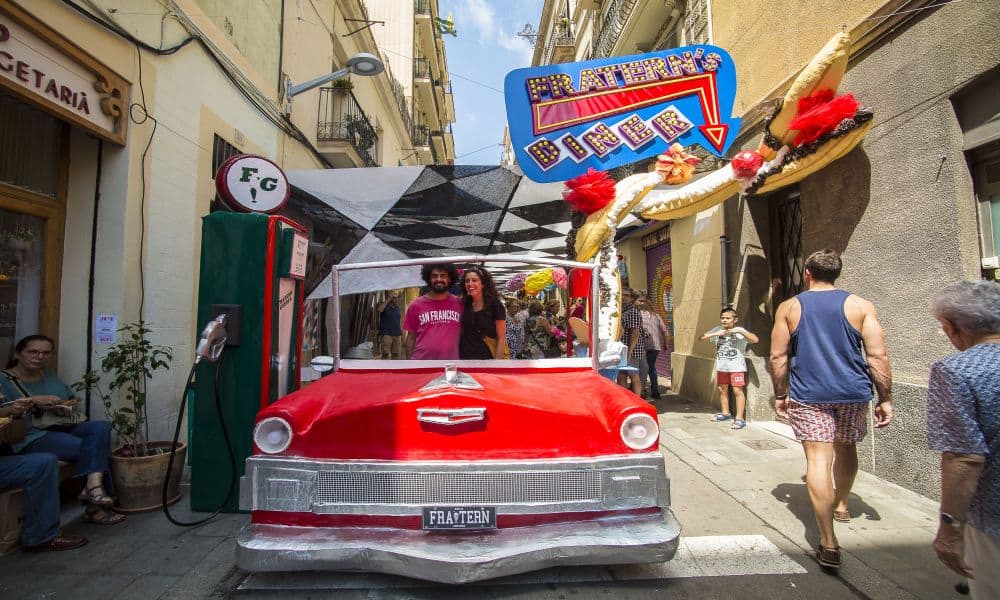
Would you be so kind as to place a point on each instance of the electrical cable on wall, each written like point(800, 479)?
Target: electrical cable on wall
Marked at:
point(261, 103)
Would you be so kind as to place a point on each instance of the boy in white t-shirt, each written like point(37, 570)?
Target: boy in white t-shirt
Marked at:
point(730, 365)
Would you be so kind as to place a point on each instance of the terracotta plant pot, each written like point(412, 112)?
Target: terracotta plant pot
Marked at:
point(138, 480)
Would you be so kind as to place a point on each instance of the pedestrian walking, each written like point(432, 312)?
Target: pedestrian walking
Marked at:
point(656, 340)
point(827, 351)
point(632, 337)
point(963, 423)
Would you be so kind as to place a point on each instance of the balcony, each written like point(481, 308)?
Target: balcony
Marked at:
point(423, 93)
point(629, 25)
point(562, 48)
point(421, 136)
point(344, 133)
point(449, 103)
point(443, 144)
point(426, 29)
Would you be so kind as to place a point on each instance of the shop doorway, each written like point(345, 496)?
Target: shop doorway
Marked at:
point(660, 281)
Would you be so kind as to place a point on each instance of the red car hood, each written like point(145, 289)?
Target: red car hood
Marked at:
point(530, 413)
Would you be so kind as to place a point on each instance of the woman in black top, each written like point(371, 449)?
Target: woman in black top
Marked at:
point(484, 318)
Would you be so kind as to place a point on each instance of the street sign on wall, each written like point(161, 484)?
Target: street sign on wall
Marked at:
point(609, 112)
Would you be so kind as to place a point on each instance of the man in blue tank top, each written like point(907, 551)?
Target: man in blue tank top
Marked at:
point(827, 351)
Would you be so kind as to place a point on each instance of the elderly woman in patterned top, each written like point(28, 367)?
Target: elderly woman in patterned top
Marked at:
point(963, 423)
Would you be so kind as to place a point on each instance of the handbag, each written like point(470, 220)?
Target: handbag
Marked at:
point(491, 343)
point(48, 417)
point(13, 429)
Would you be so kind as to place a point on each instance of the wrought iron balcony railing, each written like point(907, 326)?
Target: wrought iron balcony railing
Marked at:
point(612, 25)
point(342, 120)
point(422, 7)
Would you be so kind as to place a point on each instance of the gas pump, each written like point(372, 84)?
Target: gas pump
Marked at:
point(252, 271)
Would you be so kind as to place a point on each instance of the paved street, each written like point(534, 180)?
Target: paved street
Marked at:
point(747, 531)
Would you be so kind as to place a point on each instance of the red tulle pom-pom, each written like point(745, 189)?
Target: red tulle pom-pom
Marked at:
point(590, 192)
point(746, 163)
point(820, 113)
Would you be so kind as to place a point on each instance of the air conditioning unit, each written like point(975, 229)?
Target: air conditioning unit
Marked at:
point(992, 262)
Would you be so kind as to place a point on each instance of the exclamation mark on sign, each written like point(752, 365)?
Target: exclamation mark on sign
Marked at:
point(253, 194)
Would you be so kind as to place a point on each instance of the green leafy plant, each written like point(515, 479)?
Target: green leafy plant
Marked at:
point(342, 83)
point(127, 366)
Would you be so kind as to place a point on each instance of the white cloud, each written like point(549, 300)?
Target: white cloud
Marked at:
point(481, 16)
point(518, 45)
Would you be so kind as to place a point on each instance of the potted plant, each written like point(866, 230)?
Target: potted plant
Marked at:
point(342, 84)
point(138, 465)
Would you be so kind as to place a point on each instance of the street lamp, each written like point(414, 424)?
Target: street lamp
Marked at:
point(361, 63)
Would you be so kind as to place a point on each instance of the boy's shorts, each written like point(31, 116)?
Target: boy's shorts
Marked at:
point(844, 423)
point(734, 379)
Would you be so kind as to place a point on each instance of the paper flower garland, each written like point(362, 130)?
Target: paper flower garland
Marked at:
point(676, 166)
point(516, 282)
point(559, 277)
point(746, 163)
point(537, 281)
point(590, 192)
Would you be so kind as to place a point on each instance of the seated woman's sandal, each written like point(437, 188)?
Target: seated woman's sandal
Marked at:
point(101, 516)
point(95, 495)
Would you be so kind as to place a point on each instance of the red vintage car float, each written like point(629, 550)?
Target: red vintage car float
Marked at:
point(456, 471)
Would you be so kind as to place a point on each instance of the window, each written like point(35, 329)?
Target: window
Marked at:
point(986, 179)
point(786, 243)
point(221, 152)
point(30, 157)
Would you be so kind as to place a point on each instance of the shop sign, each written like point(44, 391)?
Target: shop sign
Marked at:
point(609, 112)
point(660, 236)
point(249, 183)
point(37, 65)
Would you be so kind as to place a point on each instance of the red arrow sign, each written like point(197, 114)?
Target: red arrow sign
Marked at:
point(566, 112)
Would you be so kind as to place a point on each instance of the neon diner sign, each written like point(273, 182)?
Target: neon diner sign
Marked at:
point(606, 113)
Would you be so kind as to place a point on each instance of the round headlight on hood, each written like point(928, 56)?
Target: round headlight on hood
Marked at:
point(639, 431)
point(272, 435)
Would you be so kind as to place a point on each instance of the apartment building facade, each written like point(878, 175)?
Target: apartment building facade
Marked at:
point(114, 118)
point(914, 207)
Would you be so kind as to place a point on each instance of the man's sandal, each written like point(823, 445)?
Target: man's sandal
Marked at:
point(101, 516)
point(95, 495)
point(828, 558)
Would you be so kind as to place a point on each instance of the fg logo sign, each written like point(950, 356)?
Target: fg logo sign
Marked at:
point(250, 183)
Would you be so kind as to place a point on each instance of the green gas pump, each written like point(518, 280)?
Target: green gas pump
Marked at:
point(252, 271)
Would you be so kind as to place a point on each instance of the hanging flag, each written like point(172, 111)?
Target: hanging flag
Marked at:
point(446, 26)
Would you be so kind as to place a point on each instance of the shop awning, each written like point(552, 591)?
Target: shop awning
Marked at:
point(360, 215)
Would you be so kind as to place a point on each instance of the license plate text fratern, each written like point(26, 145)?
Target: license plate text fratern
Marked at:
point(459, 517)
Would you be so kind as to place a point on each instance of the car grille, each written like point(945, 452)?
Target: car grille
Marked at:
point(490, 488)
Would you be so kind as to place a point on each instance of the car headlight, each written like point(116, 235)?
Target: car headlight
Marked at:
point(639, 431)
point(272, 435)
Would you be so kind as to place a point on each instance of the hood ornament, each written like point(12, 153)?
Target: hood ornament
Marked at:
point(450, 416)
point(452, 378)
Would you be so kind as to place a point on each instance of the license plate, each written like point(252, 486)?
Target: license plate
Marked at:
point(459, 517)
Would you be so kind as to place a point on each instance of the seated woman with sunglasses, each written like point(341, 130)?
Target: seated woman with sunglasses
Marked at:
point(86, 443)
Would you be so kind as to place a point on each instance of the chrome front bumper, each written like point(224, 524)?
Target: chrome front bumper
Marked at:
point(450, 557)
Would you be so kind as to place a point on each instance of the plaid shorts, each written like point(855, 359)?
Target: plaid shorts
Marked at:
point(844, 423)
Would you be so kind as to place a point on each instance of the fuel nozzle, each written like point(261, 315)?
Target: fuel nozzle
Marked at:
point(213, 339)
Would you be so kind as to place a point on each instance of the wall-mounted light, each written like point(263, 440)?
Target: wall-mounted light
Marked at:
point(361, 63)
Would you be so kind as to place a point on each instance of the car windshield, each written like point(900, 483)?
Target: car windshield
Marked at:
point(501, 308)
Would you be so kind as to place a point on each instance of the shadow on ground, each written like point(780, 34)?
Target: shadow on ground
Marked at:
point(796, 497)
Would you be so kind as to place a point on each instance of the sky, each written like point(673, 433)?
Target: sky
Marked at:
point(486, 49)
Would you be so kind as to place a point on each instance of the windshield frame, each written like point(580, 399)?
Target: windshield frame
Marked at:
point(561, 362)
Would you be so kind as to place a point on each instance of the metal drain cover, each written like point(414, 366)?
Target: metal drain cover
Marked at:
point(763, 444)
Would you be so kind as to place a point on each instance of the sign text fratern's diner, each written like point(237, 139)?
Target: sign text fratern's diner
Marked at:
point(610, 112)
